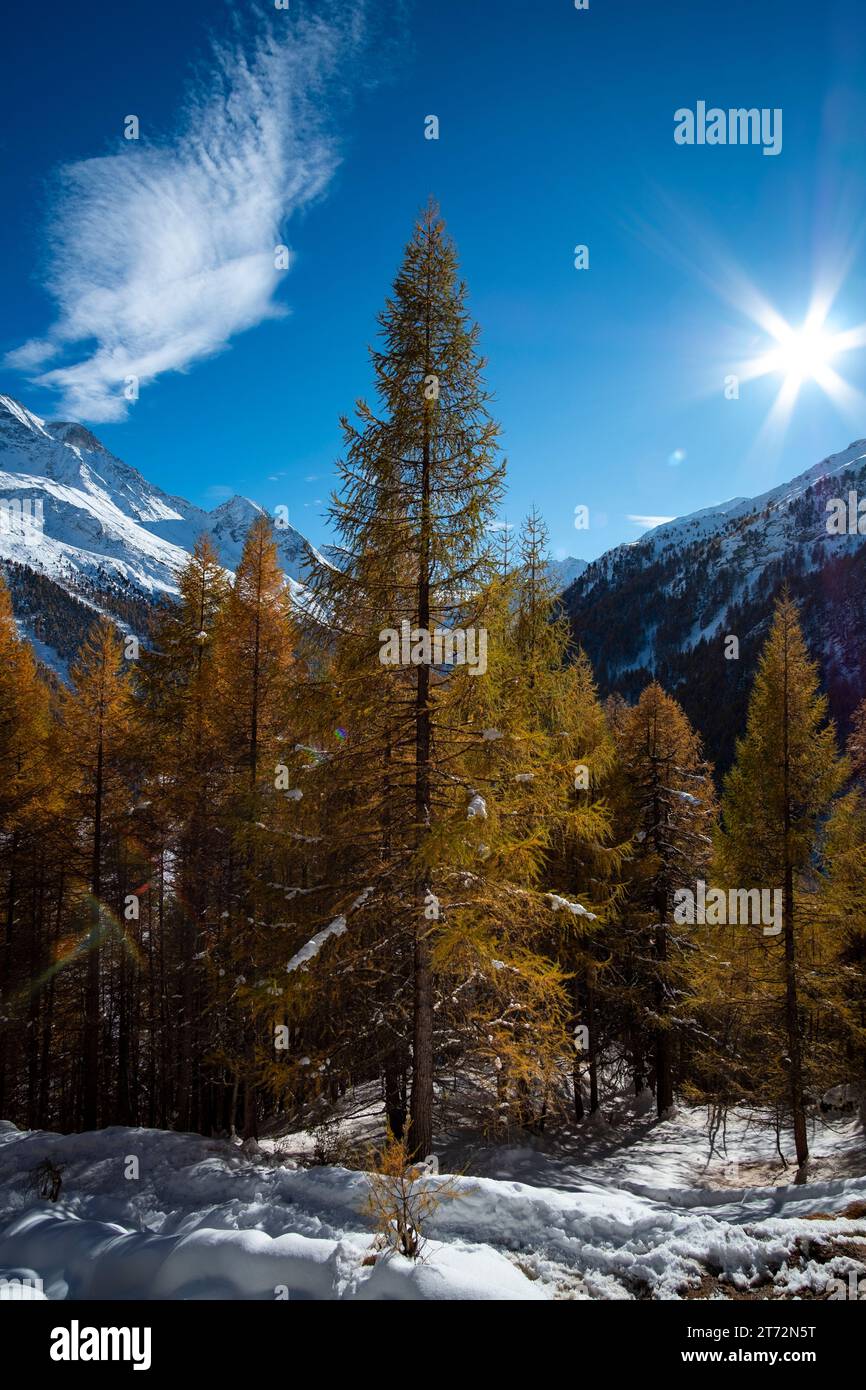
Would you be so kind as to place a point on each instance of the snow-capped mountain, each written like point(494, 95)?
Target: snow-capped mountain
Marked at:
point(72, 515)
point(768, 524)
point(99, 516)
point(564, 572)
point(663, 605)
point(80, 531)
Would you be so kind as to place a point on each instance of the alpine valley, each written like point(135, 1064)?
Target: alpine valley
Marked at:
point(662, 606)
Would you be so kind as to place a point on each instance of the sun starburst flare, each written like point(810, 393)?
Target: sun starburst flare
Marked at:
point(800, 355)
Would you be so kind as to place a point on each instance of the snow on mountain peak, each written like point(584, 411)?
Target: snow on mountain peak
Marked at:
point(18, 412)
point(101, 521)
point(69, 432)
point(236, 509)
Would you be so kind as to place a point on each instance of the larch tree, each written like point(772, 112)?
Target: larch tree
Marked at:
point(419, 487)
point(856, 748)
point(548, 761)
point(255, 677)
point(98, 752)
point(29, 790)
point(666, 805)
point(786, 773)
point(842, 913)
point(180, 709)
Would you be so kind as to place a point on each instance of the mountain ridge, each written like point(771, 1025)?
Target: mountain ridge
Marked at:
point(96, 529)
point(662, 606)
point(658, 607)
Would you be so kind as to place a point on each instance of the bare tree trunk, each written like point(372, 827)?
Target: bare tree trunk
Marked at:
point(250, 1122)
point(577, 1091)
point(664, 1074)
point(593, 1049)
point(124, 1109)
point(395, 1096)
point(90, 1101)
point(6, 972)
point(192, 900)
point(792, 1014)
point(421, 1137)
point(37, 964)
point(638, 1061)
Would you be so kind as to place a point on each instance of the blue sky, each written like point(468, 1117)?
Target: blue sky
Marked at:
point(556, 129)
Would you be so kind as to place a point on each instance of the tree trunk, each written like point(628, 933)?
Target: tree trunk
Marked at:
point(250, 1121)
point(37, 964)
point(395, 1096)
point(90, 1101)
point(593, 1050)
point(577, 1092)
point(792, 1016)
point(792, 1024)
point(6, 973)
point(664, 1075)
point(421, 1136)
point(638, 1062)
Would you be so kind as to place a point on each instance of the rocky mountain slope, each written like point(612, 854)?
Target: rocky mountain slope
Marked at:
point(664, 605)
point(80, 530)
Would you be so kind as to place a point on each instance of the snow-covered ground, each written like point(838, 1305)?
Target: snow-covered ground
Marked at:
point(621, 1213)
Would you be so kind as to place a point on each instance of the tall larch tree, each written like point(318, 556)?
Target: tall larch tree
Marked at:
point(419, 487)
point(29, 789)
point(786, 772)
point(180, 709)
point(98, 755)
point(255, 680)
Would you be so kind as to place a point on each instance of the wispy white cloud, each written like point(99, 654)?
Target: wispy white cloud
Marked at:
point(160, 254)
point(649, 521)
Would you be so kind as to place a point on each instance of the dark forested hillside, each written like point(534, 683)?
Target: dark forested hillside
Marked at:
point(60, 620)
point(663, 607)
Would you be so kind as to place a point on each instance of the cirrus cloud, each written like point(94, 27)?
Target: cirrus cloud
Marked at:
point(648, 521)
point(161, 253)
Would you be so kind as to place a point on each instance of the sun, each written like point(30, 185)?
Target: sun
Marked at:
point(799, 355)
point(802, 356)
point(803, 353)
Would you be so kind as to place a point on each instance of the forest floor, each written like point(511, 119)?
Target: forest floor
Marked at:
point(625, 1207)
